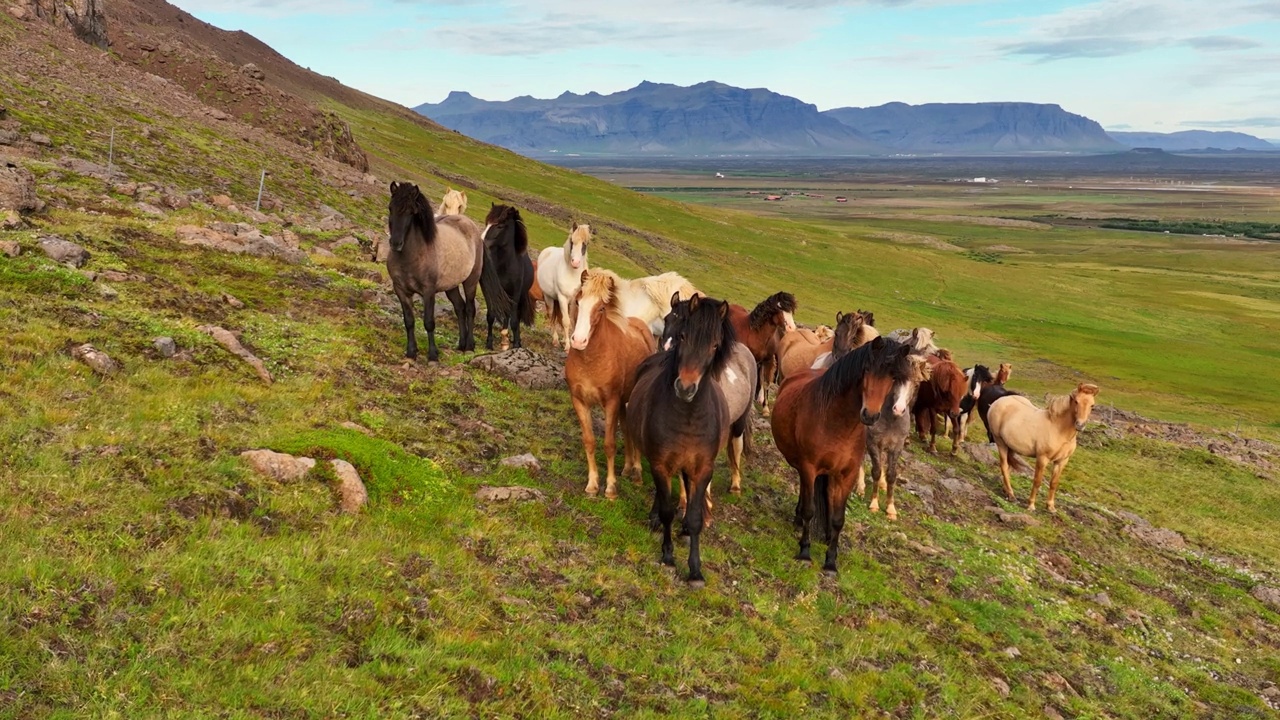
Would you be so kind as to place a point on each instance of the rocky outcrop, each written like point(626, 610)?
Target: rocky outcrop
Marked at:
point(97, 360)
point(86, 18)
point(238, 238)
point(490, 494)
point(278, 466)
point(524, 368)
point(17, 189)
point(63, 251)
point(350, 488)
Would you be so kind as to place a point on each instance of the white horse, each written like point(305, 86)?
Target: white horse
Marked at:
point(560, 276)
point(454, 202)
point(647, 299)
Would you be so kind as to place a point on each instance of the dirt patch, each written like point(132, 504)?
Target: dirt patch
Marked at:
point(929, 241)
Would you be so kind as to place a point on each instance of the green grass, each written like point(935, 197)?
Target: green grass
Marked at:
point(149, 573)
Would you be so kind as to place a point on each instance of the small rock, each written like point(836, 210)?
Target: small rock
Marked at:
point(125, 188)
point(1018, 520)
point(1102, 599)
point(252, 71)
point(357, 427)
point(9, 137)
point(1001, 687)
point(20, 13)
point(10, 220)
point(63, 251)
point(1012, 652)
point(1268, 596)
point(1161, 538)
point(1052, 713)
point(1271, 692)
point(923, 549)
point(229, 341)
point(836, 674)
point(231, 300)
point(99, 361)
point(149, 209)
point(108, 292)
point(345, 241)
point(956, 486)
point(278, 466)
point(221, 201)
point(526, 461)
point(351, 491)
point(115, 276)
point(174, 201)
point(217, 114)
point(487, 493)
point(89, 275)
point(165, 346)
point(17, 189)
point(322, 251)
point(40, 139)
point(10, 248)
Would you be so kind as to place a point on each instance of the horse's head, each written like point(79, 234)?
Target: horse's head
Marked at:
point(575, 247)
point(979, 377)
point(921, 339)
point(1002, 375)
point(950, 380)
point(887, 366)
point(868, 317)
point(1082, 400)
point(703, 345)
point(504, 226)
point(408, 206)
point(778, 310)
point(847, 326)
point(454, 202)
point(673, 323)
point(596, 294)
point(904, 391)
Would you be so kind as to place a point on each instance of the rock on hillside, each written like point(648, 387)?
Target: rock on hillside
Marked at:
point(977, 127)
point(86, 18)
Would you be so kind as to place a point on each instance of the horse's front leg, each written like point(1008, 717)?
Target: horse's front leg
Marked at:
point(429, 324)
point(488, 319)
point(566, 322)
point(890, 510)
point(1041, 463)
point(1004, 469)
point(838, 487)
point(611, 446)
point(664, 510)
point(1058, 467)
point(410, 338)
point(694, 521)
point(588, 444)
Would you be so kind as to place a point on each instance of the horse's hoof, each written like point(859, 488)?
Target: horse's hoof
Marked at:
point(736, 490)
point(830, 571)
point(893, 517)
point(592, 492)
point(669, 561)
point(611, 494)
point(697, 584)
point(1053, 509)
point(873, 508)
point(803, 557)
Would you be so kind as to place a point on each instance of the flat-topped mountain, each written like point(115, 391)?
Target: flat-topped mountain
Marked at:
point(1194, 140)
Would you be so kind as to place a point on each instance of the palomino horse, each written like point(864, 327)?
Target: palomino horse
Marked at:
point(454, 202)
point(601, 370)
point(819, 424)
point(850, 335)
point(738, 383)
point(680, 421)
point(1048, 435)
point(640, 299)
point(759, 330)
point(942, 393)
point(991, 393)
point(920, 339)
point(507, 244)
point(886, 438)
point(797, 349)
point(428, 256)
point(560, 275)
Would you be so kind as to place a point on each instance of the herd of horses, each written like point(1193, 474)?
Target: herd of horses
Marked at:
point(682, 373)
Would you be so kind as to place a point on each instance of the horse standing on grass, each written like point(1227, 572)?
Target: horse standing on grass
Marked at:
point(601, 370)
point(760, 330)
point(428, 256)
point(980, 378)
point(1048, 435)
point(559, 276)
point(737, 381)
point(888, 435)
point(941, 394)
point(453, 202)
point(819, 424)
point(679, 419)
point(507, 244)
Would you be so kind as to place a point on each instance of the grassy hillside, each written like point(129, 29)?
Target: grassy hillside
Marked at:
point(152, 574)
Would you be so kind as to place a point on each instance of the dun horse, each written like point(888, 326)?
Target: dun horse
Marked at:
point(560, 275)
point(1048, 435)
point(507, 244)
point(679, 419)
point(886, 438)
point(819, 424)
point(428, 256)
point(453, 202)
point(601, 370)
point(760, 330)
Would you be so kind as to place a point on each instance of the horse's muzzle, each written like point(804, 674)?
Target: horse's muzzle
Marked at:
point(575, 264)
point(1080, 425)
point(686, 392)
point(870, 418)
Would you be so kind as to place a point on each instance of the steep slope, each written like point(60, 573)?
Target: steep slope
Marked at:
point(958, 128)
point(652, 118)
point(1193, 140)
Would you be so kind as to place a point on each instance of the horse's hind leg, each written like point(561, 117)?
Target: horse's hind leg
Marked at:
point(488, 319)
point(890, 510)
point(589, 445)
point(410, 337)
point(465, 311)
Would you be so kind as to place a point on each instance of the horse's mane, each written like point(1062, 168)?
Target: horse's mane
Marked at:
point(501, 215)
point(982, 374)
point(603, 283)
point(660, 288)
point(1058, 405)
point(784, 301)
point(580, 233)
point(698, 328)
point(879, 357)
point(944, 354)
point(868, 317)
point(407, 199)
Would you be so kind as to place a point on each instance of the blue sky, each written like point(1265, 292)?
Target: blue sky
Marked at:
point(1162, 65)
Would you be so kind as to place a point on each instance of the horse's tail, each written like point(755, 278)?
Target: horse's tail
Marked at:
point(495, 296)
point(821, 524)
point(554, 311)
point(526, 310)
point(748, 445)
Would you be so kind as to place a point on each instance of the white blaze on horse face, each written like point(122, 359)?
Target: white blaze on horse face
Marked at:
point(901, 398)
point(668, 343)
point(789, 321)
point(582, 329)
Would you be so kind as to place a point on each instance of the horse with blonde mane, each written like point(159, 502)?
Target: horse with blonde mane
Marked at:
point(649, 298)
point(601, 370)
point(1048, 434)
point(559, 275)
point(454, 202)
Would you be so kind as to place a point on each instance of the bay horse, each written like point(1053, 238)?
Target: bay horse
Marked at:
point(679, 419)
point(429, 256)
point(559, 277)
point(1048, 434)
point(601, 370)
point(940, 394)
point(887, 437)
point(759, 330)
point(737, 381)
point(819, 424)
point(453, 202)
point(507, 244)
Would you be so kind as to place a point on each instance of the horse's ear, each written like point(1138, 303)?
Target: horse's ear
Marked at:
point(877, 343)
point(394, 185)
point(903, 349)
point(575, 226)
point(870, 319)
point(724, 309)
point(839, 316)
point(693, 303)
point(1087, 389)
point(583, 278)
point(675, 299)
point(464, 195)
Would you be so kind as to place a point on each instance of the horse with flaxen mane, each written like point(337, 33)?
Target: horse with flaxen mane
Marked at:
point(429, 256)
point(888, 435)
point(819, 424)
point(760, 330)
point(507, 243)
point(601, 370)
point(679, 419)
point(941, 394)
point(1048, 435)
point(799, 348)
point(453, 202)
point(559, 276)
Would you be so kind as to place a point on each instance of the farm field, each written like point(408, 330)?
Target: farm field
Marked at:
point(150, 573)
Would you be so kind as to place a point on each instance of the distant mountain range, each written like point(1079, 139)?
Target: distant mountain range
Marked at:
point(714, 118)
point(1193, 140)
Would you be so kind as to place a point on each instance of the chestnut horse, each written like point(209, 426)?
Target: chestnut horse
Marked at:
point(1048, 435)
point(942, 393)
point(760, 330)
point(799, 348)
point(601, 370)
point(679, 419)
point(819, 424)
point(428, 256)
point(886, 438)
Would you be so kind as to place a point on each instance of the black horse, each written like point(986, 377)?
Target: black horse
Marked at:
point(429, 256)
point(507, 245)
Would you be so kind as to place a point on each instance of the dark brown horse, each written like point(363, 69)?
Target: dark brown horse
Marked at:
point(679, 419)
point(760, 331)
point(940, 394)
point(507, 245)
point(819, 424)
point(429, 256)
